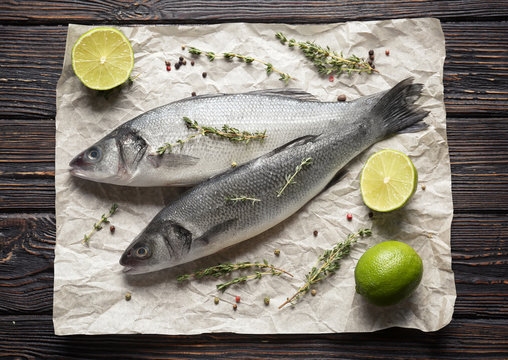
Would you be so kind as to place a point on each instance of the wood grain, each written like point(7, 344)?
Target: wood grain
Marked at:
point(172, 11)
point(475, 77)
point(479, 251)
point(462, 339)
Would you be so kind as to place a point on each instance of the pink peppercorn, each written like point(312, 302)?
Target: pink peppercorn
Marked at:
point(330, 78)
point(349, 217)
point(237, 299)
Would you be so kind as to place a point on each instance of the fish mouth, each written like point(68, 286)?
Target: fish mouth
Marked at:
point(79, 166)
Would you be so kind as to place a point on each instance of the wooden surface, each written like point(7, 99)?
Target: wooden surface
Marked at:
point(32, 41)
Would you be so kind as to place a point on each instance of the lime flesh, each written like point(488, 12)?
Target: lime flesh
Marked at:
point(102, 58)
point(388, 180)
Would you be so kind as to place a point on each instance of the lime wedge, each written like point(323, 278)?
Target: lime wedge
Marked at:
point(388, 180)
point(102, 58)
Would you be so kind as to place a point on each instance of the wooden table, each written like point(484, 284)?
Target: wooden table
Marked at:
point(32, 41)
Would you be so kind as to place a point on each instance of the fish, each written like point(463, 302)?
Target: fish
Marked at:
point(128, 155)
point(243, 202)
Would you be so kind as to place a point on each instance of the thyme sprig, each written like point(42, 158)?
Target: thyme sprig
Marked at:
point(98, 226)
point(241, 198)
point(247, 59)
point(227, 132)
point(326, 60)
point(327, 264)
point(290, 178)
point(217, 271)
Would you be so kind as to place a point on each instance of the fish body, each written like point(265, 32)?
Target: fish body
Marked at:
point(206, 219)
point(128, 155)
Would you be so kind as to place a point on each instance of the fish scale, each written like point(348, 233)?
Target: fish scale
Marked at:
point(127, 156)
point(203, 222)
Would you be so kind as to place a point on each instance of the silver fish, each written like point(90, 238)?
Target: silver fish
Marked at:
point(207, 218)
point(128, 155)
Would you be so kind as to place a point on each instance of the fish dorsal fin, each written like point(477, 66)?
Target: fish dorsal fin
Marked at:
point(290, 93)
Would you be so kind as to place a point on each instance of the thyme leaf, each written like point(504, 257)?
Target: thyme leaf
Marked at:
point(98, 226)
point(326, 60)
point(227, 132)
point(327, 264)
point(242, 199)
point(243, 58)
point(260, 269)
point(290, 178)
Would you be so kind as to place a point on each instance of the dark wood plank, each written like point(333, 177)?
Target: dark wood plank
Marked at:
point(475, 79)
point(479, 251)
point(99, 11)
point(478, 155)
point(31, 337)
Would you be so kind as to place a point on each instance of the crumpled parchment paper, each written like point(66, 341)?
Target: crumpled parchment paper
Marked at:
point(90, 288)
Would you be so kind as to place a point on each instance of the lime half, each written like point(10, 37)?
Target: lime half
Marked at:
point(388, 180)
point(102, 58)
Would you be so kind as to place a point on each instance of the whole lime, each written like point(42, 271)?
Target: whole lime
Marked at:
point(388, 273)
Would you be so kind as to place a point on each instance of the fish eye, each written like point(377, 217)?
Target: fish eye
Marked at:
point(94, 154)
point(142, 252)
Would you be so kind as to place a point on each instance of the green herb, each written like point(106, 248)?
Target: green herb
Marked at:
point(242, 199)
point(227, 268)
point(327, 264)
point(227, 132)
point(98, 226)
point(326, 60)
point(290, 178)
point(266, 300)
point(247, 59)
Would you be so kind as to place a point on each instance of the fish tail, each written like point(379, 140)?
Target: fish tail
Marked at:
point(397, 108)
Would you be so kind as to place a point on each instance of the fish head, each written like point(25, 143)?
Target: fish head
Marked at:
point(113, 159)
point(162, 244)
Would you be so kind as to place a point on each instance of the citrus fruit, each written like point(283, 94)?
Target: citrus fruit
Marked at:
point(388, 180)
point(388, 273)
point(102, 58)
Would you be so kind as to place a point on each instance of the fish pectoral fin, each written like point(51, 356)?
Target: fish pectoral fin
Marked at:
point(209, 234)
point(172, 160)
point(291, 93)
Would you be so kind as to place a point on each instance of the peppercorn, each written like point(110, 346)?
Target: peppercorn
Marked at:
point(371, 57)
point(184, 62)
point(276, 252)
point(192, 62)
point(387, 52)
point(183, 47)
point(371, 52)
point(369, 62)
point(193, 93)
point(371, 214)
point(315, 232)
point(235, 307)
point(423, 187)
point(112, 229)
point(168, 68)
point(313, 292)
point(237, 298)
point(180, 58)
point(349, 217)
point(128, 296)
point(177, 66)
point(267, 300)
point(330, 78)
point(204, 74)
point(216, 300)
point(341, 97)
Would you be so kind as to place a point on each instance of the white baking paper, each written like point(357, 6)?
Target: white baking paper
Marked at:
point(90, 288)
